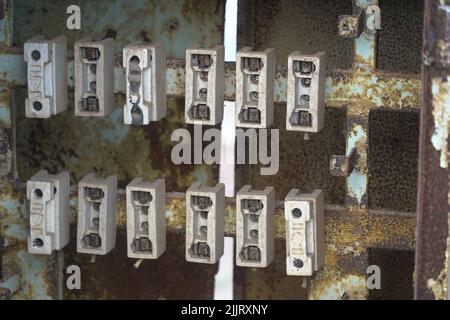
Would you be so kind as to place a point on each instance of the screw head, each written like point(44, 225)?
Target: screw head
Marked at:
point(297, 213)
point(36, 55)
point(37, 106)
point(298, 263)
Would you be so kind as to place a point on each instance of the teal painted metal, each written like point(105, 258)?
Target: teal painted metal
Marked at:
point(13, 69)
point(366, 43)
point(178, 24)
point(6, 23)
point(357, 181)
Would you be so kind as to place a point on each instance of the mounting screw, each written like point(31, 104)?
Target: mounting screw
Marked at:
point(297, 213)
point(36, 55)
point(298, 263)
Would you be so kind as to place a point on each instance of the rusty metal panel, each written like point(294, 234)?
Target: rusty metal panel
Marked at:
point(178, 24)
point(354, 97)
point(431, 265)
point(364, 221)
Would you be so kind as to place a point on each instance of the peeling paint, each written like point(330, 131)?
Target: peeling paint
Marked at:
point(441, 114)
point(357, 180)
point(337, 290)
point(439, 286)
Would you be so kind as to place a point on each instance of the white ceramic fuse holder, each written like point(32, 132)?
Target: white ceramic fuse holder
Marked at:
point(205, 223)
point(204, 85)
point(46, 76)
point(49, 212)
point(97, 198)
point(255, 73)
point(255, 238)
point(146, 219)
point(305, 244)
point(306, 92)
point(145, 76)
point(94, 77)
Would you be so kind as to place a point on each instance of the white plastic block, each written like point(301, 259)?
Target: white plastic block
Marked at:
point(305, 246)
point(306, 92)
point(255, 73)
point(205, 223)
point(49, 212)
point(255, 238)
point(145, 74)
point(204, 85)
point(46, 76)
point(146, 220)
point(94, 77)
point(97, 198)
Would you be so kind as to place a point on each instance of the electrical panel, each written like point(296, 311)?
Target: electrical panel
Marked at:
point(49, 212)
point(145, 67)
point(306, 92)
point(97, 198)
point(146, 220)
point(255, 73)
point(255, 242)
point(46, 76)
point(204, 86)
point(94, 77)
point(305, 244)
point(205, 223)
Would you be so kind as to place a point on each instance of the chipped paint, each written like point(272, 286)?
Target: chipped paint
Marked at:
point(441, 114)
point(439, 286)
point(357, 180)
point(338, 289)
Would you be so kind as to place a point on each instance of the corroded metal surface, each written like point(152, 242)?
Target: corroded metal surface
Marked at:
point(377, 89)
point(178, 24)
point(290, 25)
point(400, 38)
point(353, 229)
point(106, 146)
point(393, 154)
point(431, 268)
point(62, 143)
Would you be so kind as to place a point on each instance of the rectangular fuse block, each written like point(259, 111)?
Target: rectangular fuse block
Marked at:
point(146, 220)
point(145, 77)
point(204, 86)
point(255, 238)
point(306, 92)
point(94, 77)
point(97, 198)
point(46, 76)
point(205, 223)
point(49, 212)
point(305, 243)
point(255, 73)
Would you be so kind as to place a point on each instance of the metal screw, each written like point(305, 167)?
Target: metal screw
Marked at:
point(297, 213)
point(306, 82)
point(36, 55)
point(204, 76)
point(37, 106)
point(298, 263)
